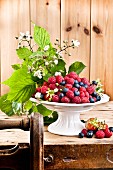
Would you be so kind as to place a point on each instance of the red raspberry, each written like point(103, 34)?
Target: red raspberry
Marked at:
point(66, 78)
point(82, 94)
point(38, 89)
point(76, 99)
point(86, 94)
point(74, 89)
point(78, 79)
point(65, 100)
point(55, 98)
point(44, 89)
point(84, 131)
point(69, 86)
point(46, 97)
point(45, 83)
point(73, 75)
point(59, 79)
point(70, 81)
point(90, 89)
point(84, 100)
point(108, 133)
point(100, 134)
point(82, 89)
point(52, 86)
point(52, 80)
point(94, 99)
point(85, 81)
point(70, 94)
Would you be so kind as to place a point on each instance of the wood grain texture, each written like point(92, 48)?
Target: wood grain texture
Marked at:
point(75, 18)
point(46, 14)
point(14, 18)
point(102, 43)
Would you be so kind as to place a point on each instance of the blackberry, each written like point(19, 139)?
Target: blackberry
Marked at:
point(80, 135)
point(90, 134)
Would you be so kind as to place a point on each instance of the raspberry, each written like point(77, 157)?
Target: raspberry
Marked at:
point(55, 98)
point(90, 89)
point(44, 89)
point(70, 94)
point(78, 79)
point(46, 97)
point(45, 83)
point(86, 94)
point(65, 100)
point(94, 98)
point(84, 131)
point(74, 89)
point(82, 94)
point(100, 134)
point(82, 89)
point(85, 81)
point(84, 100)
point(69, 86)
point(52, 86)
point(52, 80)
point(73, 75)
point(59, 79)
point(76, 99)
point(38, 89)
point(70, 81)
point(108, 133)
point(66, 78)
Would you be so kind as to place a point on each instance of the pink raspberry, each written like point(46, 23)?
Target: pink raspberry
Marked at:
point(38, 89)
point(66, 78)
point(59, 79)
point(70, 94)
point(73, 75)
point(99, 134)
point(82, 94)
point(65, 100)
point(86, 94)
point(44, 89)
point(90, 89)
point(84, 100)
point(85, 81)
point(74, 89)
point(52, 86)
point(82, 89)
point(69, 86)
point(76, 99)
point(78, 79)
point(55, 98)
point(70, 81)
point(52, 80)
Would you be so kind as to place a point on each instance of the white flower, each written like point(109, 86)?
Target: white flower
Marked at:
point(38, 95)
point(46, 63)
point(56, 62)
point(57, 73)
point(76, 43)
point(55, 90)
point(46, 47)
point(38, 74)
point(27, 33)
point(22, 34)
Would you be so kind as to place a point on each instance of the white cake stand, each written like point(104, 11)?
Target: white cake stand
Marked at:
point(68, 122)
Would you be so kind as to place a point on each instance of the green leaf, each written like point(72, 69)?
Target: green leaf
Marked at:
point(28, 105)
point(23, 53)
point(21, 86)
point(76, 67)
point(41, 36)
point(16, 66)
point(6, 105)
point(17, 107)
point(60, 67)
point(53, 118)
point(43, 110)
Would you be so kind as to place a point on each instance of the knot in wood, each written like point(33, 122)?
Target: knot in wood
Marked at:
point(68, 29)
point(86, 31)
point(96, 30)
point(47, 3)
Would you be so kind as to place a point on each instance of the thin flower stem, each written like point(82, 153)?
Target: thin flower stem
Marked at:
point(64, 49)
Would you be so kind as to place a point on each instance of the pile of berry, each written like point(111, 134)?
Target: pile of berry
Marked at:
point(97, 129)
point(68, 89)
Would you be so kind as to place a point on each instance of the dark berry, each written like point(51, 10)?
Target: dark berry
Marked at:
point(76, 85)
point(90, 134)
point(94, 82)
point(85, 85)
point(98, 98)
point(63, 83)
point(80, 135)
point(81, 83)
point(65, 90)
point(83, 121)
point(111, 129)
point(91, 100)
point(76, 81)
point(76, 93)
point(61, 95)
point(42, 96)
point(94, 94)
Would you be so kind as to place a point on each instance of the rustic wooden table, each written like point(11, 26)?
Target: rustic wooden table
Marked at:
point(71, 152)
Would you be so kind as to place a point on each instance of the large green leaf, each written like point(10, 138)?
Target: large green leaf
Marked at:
point(43, 110)
point(41, 36)
point(76, 67)
point(60, 67)
point(23, 53)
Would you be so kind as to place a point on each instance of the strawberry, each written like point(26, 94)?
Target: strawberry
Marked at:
point(100, 134)
point(92, 124)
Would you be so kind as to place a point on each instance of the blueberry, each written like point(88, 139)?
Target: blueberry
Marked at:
point(76, 81)
point(65, 90)
point(111, 129)
point(81, 83)
point(85, 85)
point(94, 94)
point(80, 135)
point(94, 82)
point(76, 93)
point(63, 83)
point(42, 96)
point(61, 95)
point(98, 98)
point(90, 134)
point(76, 85)
point(91, 100)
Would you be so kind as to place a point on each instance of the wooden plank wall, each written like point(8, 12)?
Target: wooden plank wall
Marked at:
point(89, 21)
